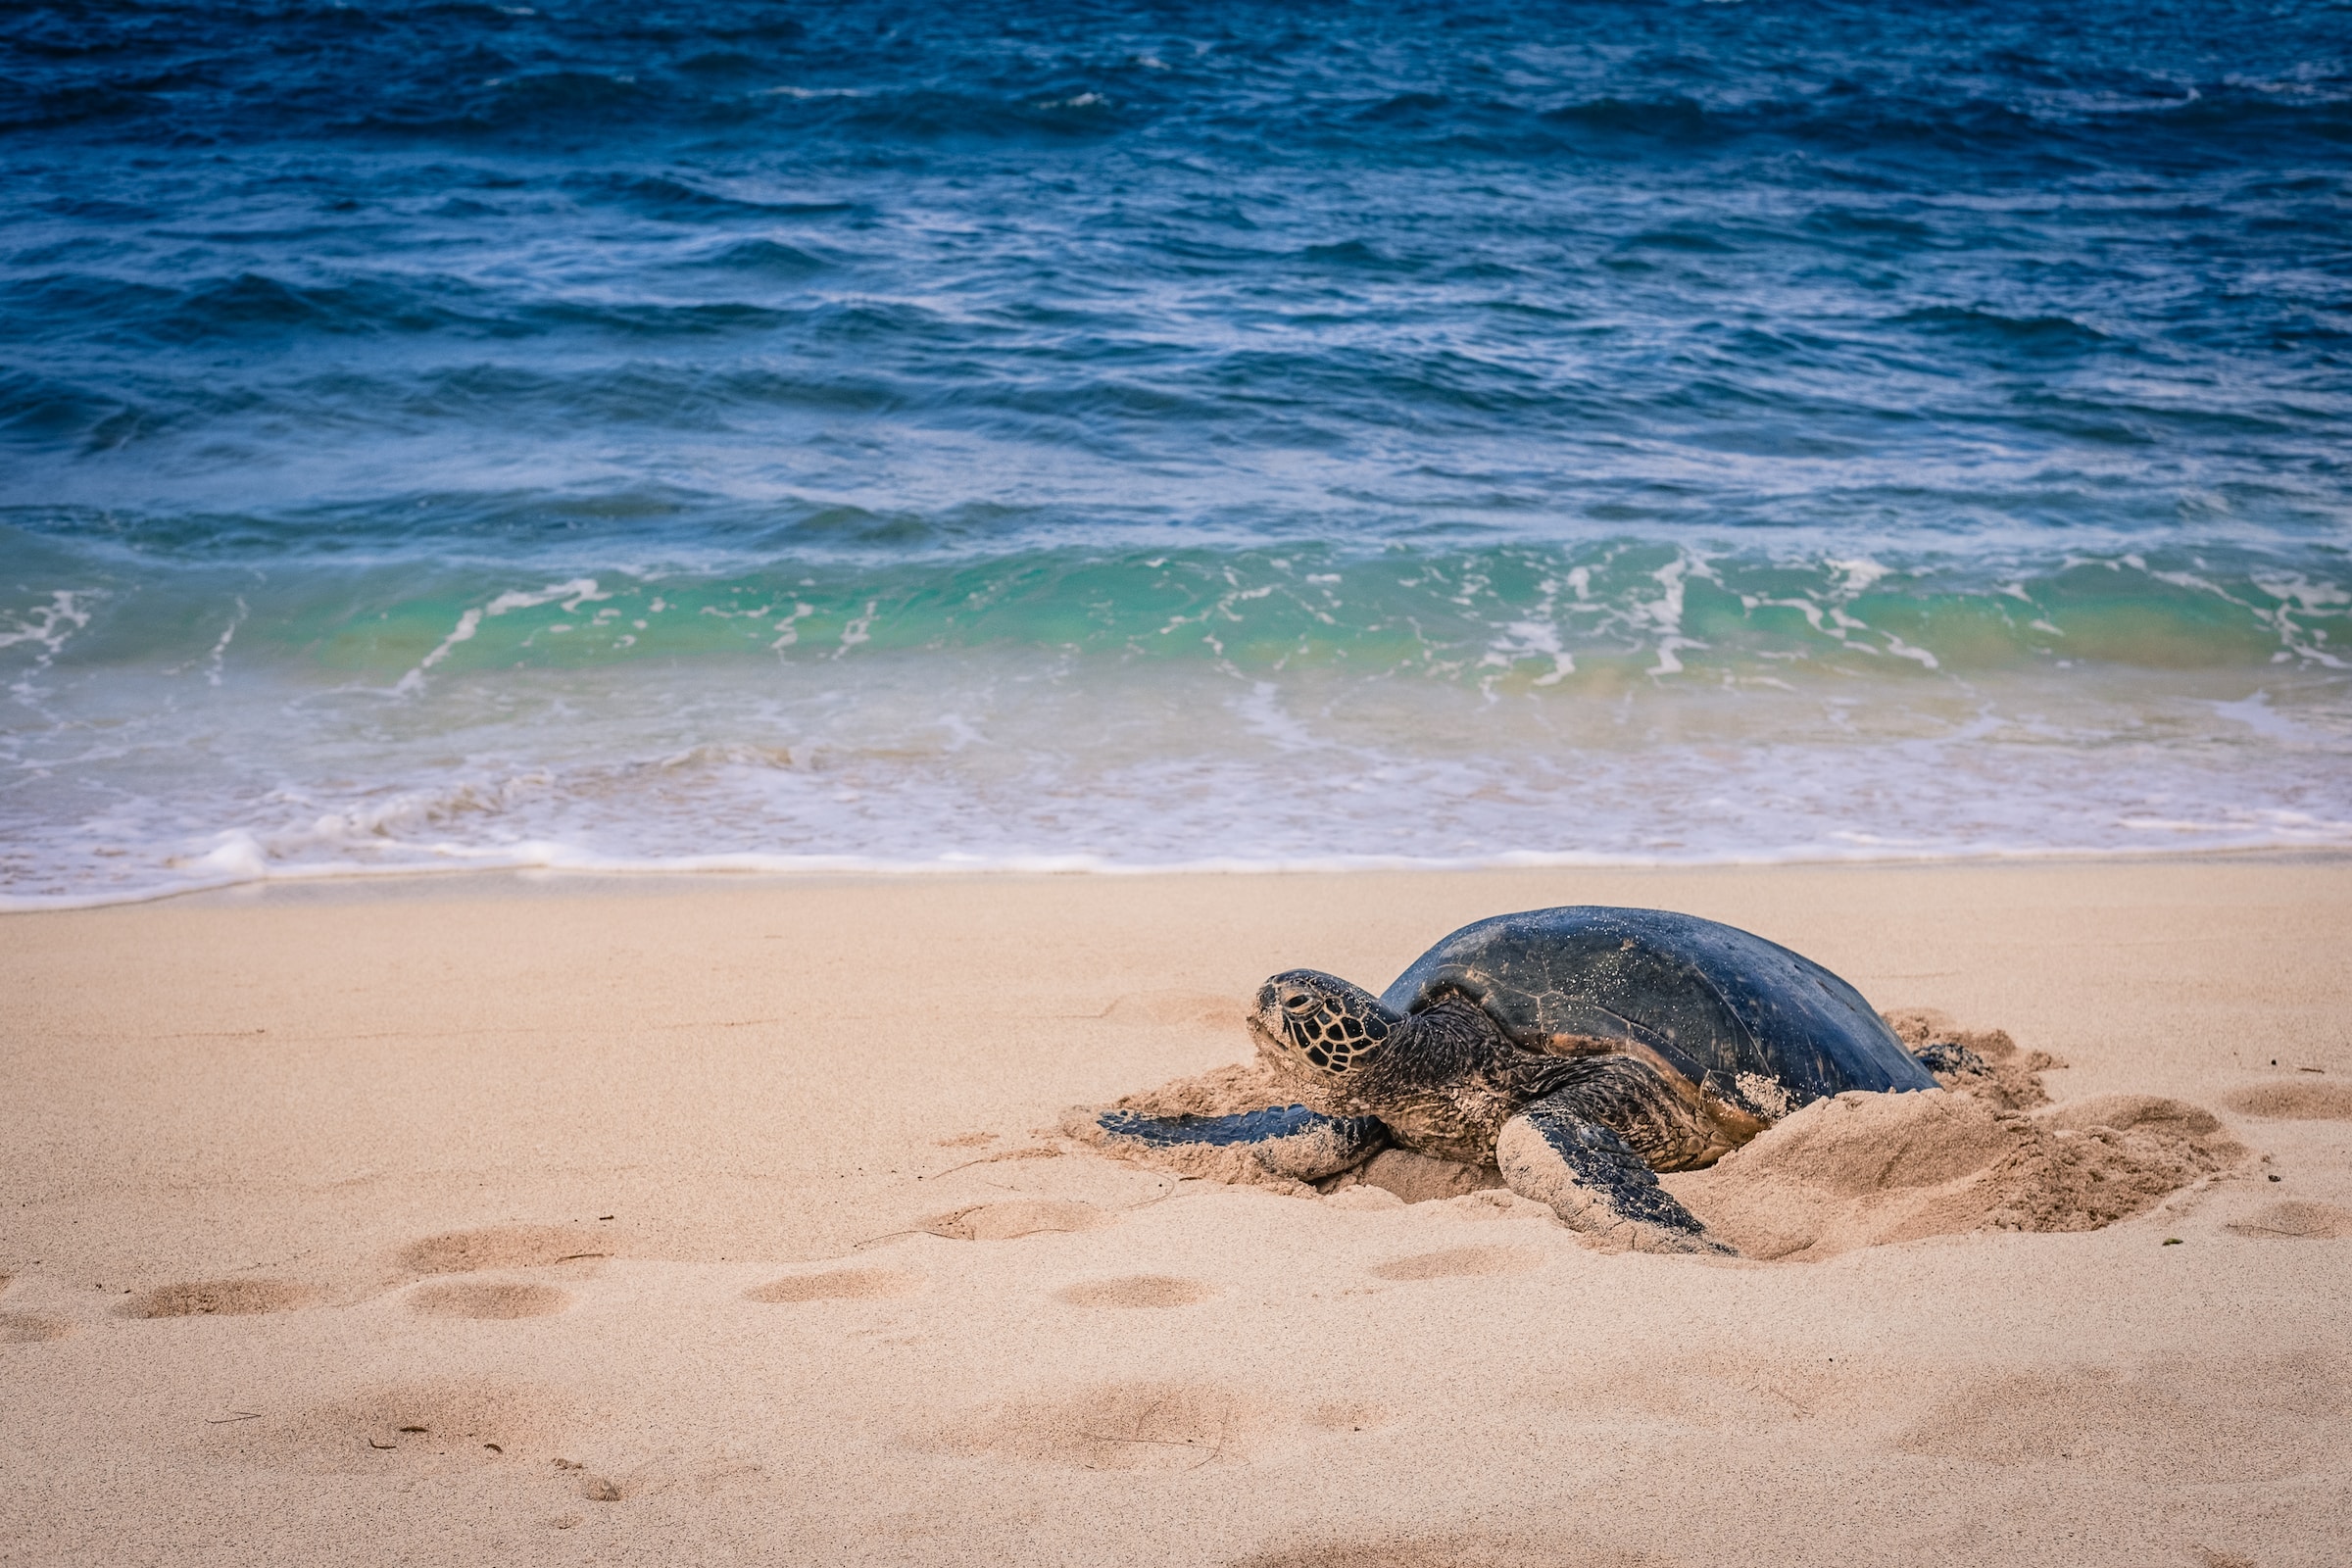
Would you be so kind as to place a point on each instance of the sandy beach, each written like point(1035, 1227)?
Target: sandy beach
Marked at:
point(565, 1220)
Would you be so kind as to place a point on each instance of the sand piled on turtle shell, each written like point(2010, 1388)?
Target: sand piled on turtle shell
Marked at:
point(2000, 1073)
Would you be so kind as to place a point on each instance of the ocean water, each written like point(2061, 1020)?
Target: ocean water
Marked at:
point(1116, 436)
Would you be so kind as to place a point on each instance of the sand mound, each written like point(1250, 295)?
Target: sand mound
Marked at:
point(2295, 1101)
point(837, 1285)
point(1858, 1170)
point(221, 1298)
point(1984, 1063)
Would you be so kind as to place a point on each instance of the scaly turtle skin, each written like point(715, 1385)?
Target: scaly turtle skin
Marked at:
point(1580, 1050)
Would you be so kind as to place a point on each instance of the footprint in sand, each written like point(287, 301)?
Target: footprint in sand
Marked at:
point(1457, 1263)
point(1137, 1290)
point(2299, 1101)
point(220, 1299)
point(486, 1298)
point(1004, 1222)
point(503, 1247)
point(2318, 1222)
point(27, 1328)
point(1120, 1426)
point(837, 1285)
point(431, 1424)
point(2225, 1420)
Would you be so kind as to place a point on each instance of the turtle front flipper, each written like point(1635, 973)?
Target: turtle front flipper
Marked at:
point(1283, 1139)
point(1557, 1153)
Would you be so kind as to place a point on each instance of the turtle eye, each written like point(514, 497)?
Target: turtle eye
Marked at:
point(1298, 1002)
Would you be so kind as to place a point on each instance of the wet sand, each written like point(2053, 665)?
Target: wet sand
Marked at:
point(512, 1220)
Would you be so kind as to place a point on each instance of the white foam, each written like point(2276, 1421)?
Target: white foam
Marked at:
point(1538, 634)
point(49, 627)
point(50, 624)
point(1839, 848)
point(575, 593)
point(1857, 575)
point(1664, 613)
point(1903, 650)
point(220, 659)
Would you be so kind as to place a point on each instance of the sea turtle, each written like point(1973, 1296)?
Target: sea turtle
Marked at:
point(1580, 1050)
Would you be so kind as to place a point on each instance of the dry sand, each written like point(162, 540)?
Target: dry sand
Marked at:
point(510, 1221)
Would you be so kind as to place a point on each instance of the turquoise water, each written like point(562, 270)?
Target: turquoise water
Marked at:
point(1102, 437)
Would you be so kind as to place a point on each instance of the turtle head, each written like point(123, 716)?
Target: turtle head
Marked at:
point(1308, 1018)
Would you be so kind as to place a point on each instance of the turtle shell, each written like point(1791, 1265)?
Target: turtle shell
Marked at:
point(1746, 1019)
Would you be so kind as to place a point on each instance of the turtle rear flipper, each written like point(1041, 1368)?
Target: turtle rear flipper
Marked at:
point(1557, 1154)
point(1284, 1140)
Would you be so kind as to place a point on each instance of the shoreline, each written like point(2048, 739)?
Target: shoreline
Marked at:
point(358, 880)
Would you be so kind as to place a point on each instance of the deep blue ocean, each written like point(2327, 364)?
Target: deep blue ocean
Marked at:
point(929, 437)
